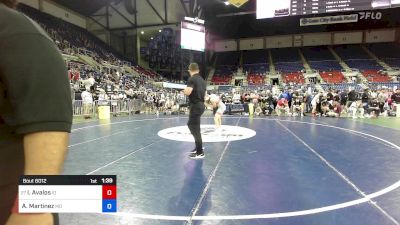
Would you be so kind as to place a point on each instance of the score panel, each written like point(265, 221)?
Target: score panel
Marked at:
point(272, 8)
point(68, 194)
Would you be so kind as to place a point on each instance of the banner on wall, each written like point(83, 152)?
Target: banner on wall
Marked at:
point(352, 18)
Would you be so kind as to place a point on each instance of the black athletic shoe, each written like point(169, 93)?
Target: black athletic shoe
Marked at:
point(194, 151)
point(197, 156)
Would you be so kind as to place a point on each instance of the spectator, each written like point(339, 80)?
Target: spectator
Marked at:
point(365, 98)
point(87, 101)
point(282, 107)
point(356, 108)
point(373, 108)
point(396, 99)
point(315, 101)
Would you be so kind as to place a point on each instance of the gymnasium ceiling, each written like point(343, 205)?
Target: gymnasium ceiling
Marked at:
point(222, 20)
point(149, 12)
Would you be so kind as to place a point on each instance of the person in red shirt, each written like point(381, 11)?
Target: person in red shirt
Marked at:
point(282, 107)
point(77, 75)
point(70, 75)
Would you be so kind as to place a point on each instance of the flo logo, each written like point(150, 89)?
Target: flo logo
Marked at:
point(208, 133)
point(370, 15)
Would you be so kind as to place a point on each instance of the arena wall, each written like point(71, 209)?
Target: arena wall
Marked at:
point(57, 11)
point(284, 41)
point(311, 39)
point(251, 44)
point(225, 46)
point(348, 38)
point(384, 35)
point(317, 39)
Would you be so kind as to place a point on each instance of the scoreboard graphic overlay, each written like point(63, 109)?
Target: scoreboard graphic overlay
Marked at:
point(68, 194)
point(270, 9)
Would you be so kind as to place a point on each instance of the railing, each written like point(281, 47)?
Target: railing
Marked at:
point(116, 107)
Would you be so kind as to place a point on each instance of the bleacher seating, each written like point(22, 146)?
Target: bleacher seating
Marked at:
point(393, 62)
point(363, 64)
point(321, 59)
point(223, 75)
point(285, 55)
point(327, 65)
point(379, 85)
point(221, 79)
point(227, 64)
point(68, 35)
point(355, 57)
point(255, 79)
point(95, 57)
point(228, 58)
point(287, 60)
point(289, 67)
point(164, 51)
point(375, 76)
point(224, 70)
point(333, 77)
point(385, 50)
point(255, 57)
point(295, 77)
point(255, 68)
point(341, 87)
point(320, 53)
point(347, 52)
point(257, 88)
point(225, 88)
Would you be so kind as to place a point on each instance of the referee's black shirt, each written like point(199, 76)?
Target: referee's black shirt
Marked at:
point(199, 89)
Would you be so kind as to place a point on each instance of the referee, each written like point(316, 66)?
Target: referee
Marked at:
point(35, 110)
point(196, 90)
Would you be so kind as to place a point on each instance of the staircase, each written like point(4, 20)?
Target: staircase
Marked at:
point(320, 78)
point(271, 63)
point(340, 60)
point(304, 60)
point(318, 87)
point(373, 56)
point(212, 70)
point(89, 60)
point(210, 75)
point(130, 70)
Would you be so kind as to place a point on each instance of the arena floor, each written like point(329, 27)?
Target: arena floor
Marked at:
point(297, 171)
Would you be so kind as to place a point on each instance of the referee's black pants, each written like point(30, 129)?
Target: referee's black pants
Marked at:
point(196, 110)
